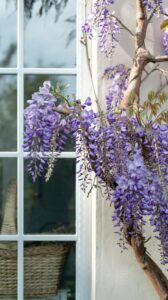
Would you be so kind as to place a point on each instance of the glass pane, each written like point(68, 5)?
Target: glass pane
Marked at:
point(33, 82)
point(8, 267)
point(50, 206)
point(8, 113)
point(8, 180)
point(50, 33)
point(8, 33)
point(49, 270)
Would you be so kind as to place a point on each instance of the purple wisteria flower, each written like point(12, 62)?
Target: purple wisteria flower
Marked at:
point(129, 160)
point(108, 32)
point(44, 129)
point(165, 41)
point(117, 77)
point(87, 28)
point(104, 21)
point(154, 4)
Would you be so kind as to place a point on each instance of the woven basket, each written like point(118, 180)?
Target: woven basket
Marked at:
point(43, 262)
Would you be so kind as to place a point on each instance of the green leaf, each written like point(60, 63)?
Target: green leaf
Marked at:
point(151, 96)
point(155, 108)
point(162, 117)
point(130, 111)
point(163, 98)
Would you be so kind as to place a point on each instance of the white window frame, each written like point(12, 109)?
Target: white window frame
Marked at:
point(82, 237)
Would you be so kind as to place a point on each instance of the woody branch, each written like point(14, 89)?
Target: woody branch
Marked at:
point(141, 58)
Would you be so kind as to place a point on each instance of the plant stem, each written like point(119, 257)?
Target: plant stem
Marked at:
point(149, 267)
point(140, 60)
point(142, 57)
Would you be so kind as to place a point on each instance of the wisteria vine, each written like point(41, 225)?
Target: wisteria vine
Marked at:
point(119, 151)
point(127, 152)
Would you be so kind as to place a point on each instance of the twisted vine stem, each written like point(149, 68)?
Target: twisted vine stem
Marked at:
point(141, 58)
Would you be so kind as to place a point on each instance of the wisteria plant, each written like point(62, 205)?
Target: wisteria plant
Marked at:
point(126, 146)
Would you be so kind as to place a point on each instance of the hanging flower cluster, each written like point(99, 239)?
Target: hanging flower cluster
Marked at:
point(117, 77)
point(129, 160)
point(45, 129)
point(164, 28)
point(104, 21)
point(142, 188)
point(165, 41)
point(159, 153)
point(154, 4)
point(126, 150)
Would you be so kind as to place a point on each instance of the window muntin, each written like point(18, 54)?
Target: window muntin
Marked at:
point(20, 238)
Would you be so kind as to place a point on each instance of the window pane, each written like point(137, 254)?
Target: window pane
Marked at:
point(8, 267)
point(50, 33)
point(50, 206)
point(8, 113)
point(49, 270)
point(33, 82)
point(8, 180)
point(8, 33)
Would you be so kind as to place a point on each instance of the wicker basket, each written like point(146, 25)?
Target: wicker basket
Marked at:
point(43, 262)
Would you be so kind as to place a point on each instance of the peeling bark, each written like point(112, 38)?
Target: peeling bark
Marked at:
point(133, 91)
point(141, 59)
point(149, 267)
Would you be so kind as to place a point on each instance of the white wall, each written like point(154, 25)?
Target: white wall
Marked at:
point(118, 277)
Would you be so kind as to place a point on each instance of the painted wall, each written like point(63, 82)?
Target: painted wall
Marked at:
point(118, 277)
